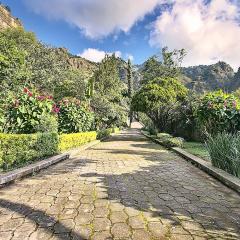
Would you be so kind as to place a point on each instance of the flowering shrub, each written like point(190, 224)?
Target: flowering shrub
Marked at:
point(73, 116)
point(25, 112)
point(218, 112)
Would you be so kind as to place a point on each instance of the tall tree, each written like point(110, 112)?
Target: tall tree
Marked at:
point(169, 67)
point(130, 87)
point(107, 100)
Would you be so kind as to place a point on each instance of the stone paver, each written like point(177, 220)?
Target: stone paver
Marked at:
point(123, 188)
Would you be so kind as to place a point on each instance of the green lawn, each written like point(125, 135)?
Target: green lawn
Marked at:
point(197, 149)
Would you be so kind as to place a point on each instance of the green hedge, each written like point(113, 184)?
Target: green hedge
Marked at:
point(17, 149)
point(74, 140)
point(107, 132)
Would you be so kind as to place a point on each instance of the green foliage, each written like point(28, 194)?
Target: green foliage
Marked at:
point(224, 150)
point(19, 149)
point(25, 112)
point(218, 112)
point(106, 132)
point(47, 123)
point(74, 140)
point(107, 100)
point(157, 99)
point(163, 136)
point(169, 141)
point(168, 68)
point(13, 68)
point(198, 149)
point(107, 81)
point(74, 117)
point(182, 121)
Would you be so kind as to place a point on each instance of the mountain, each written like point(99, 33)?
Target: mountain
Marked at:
point(6, 18)
point(210, 77)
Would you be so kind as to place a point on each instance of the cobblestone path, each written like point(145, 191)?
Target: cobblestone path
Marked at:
point(124, 188)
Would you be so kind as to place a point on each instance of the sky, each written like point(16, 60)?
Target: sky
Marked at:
point(209, 30)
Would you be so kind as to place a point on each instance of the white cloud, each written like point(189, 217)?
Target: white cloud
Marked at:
point(96, 18)
point(96, 55)
point(130, 57)
point(208, 32)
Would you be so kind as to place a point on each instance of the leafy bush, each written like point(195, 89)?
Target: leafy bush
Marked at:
point(173, 142)
point(74, 117)
point(224, 150)
point(18, 149)
point(169, 141)
point(156, 99)
point(218, 112)
point(74, 140)
point(25, 113)
point(164, 136)
point(47, 123)
point(106, 132)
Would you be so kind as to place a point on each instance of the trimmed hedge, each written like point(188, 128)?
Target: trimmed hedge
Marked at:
point(74, 140)
point(107, 132)
point(17, 149)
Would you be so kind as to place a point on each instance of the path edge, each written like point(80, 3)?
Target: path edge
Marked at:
point(11, 176)
point(222, 176)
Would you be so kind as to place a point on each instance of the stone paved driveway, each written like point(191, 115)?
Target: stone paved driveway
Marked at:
point(124, 188)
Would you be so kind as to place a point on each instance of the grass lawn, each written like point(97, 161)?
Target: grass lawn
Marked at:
point(197, 149)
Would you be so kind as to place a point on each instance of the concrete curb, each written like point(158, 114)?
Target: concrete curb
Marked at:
point(30, 169)
point(224, 177)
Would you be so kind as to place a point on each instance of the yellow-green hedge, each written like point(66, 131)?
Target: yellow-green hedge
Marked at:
point(17, 149)
point(74, 140)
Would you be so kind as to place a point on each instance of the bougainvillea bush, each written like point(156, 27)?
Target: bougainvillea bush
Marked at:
point(26, 112)
point(74, 116)
point(218, 111)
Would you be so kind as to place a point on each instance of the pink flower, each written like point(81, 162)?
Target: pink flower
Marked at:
point(234, 104)
point(41, 98)
point(55, 109)
point(30, 94)
point(16, 104)
point(50, 97)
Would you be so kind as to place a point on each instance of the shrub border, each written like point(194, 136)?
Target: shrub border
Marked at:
point(224, 177)
point(11, 176)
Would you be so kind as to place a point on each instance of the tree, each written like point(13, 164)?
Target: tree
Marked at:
point(169, 67)
point(107, 100)
point(130, 87)
point(156, 100)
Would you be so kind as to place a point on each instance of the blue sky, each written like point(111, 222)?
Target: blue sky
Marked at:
point(62, 34)
point(209, 30)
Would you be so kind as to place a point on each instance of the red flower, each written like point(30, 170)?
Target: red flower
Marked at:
point(26, 90)
point(50, 97)
point(30, 94)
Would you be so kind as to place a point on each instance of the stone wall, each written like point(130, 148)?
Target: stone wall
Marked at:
point(7, 20)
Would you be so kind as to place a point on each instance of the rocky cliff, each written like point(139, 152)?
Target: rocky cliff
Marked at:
point(6, 18)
